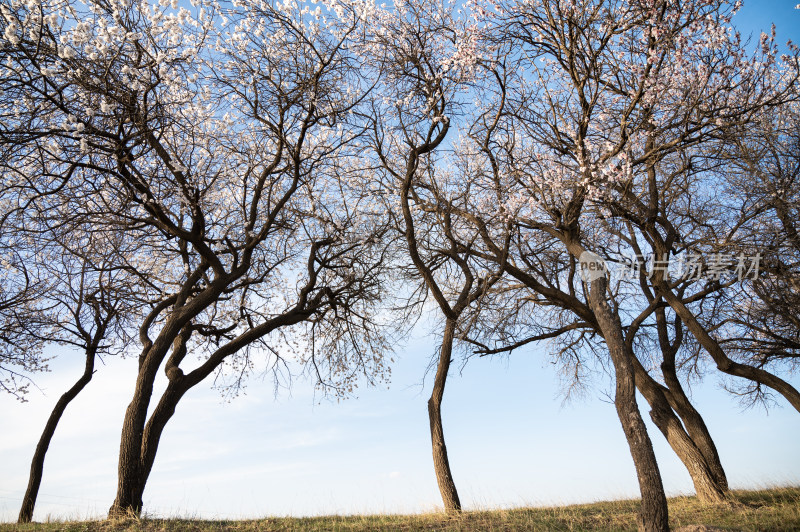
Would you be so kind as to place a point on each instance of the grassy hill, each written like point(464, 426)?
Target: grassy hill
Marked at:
point(768, 510)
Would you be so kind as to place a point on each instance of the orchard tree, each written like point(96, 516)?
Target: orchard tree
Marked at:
point(427, 61)
point(645, 87)
point(223, 141)
point(604, 93)
point(87, 306)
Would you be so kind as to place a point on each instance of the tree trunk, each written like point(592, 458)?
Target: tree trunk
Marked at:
point(162, 413)
point(705, 483)
point(140, 437)
point(441, 465)
point(129, 491)
point(679, 401)
point(130, 482)
point(37, 464)
point(653, 516)
point(695, 425)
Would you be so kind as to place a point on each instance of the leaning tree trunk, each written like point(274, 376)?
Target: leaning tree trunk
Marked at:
point(703, 478)
point(692, 420)
point(139, 448)
point(694, 424)
point(130, 482)
point(131, 477)
point(441, 465)
point(705, 485)
point(139, 442)
point(162, 413)
point(653, 516)
point(37, 464)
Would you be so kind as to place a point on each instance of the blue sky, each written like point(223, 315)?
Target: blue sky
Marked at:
point(758, 15)
point(511, 439)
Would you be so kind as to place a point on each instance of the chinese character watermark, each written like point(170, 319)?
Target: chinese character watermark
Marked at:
point(685, 267)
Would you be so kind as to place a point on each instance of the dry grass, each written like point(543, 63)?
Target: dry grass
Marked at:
point(775, 509)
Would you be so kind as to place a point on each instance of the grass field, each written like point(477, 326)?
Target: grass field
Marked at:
point(775, 509)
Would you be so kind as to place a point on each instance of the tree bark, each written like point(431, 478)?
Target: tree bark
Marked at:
point(653, 516)
point(133, 469)
point(705, 485)
point(155, 428)
point(128, 500)
point(37, 464)
point(705, 482)
point(679, 401)
point(130, 482)
point(150, 439)
point(695, 425)
point(441, 465)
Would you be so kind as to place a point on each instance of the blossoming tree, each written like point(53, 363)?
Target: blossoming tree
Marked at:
point(223, 141)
